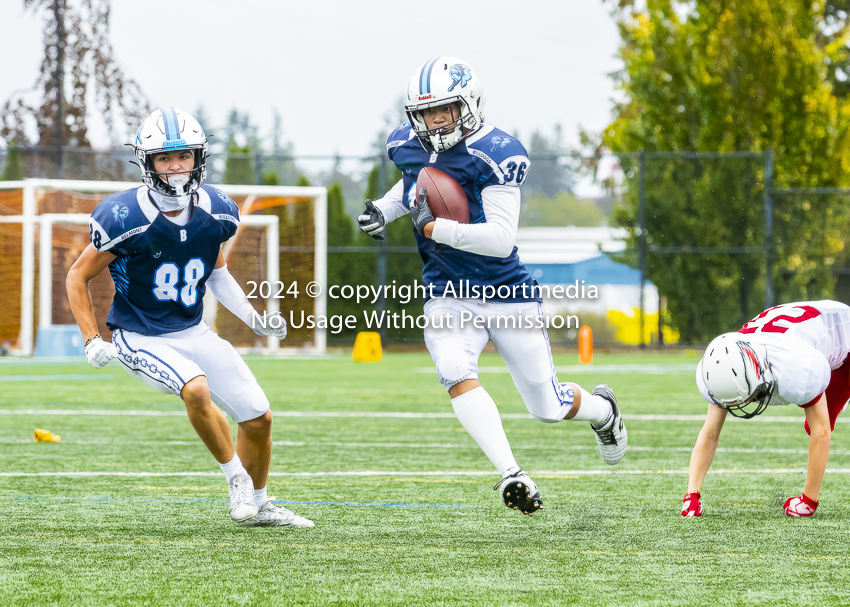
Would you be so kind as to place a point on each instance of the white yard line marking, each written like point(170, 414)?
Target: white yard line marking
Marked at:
point(39, 378)
point(384, 414)
point(391, 473)
point(106, 412)
point(671, 369)
point(471, 446)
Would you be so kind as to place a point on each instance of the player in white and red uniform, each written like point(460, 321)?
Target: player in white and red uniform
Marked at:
point(795, 353)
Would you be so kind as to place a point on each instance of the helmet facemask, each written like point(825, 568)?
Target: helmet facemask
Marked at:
point(445, 136)
point(171, 185)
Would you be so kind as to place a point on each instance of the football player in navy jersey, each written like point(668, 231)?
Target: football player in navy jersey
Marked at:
point(162, 244)
point(446, 130)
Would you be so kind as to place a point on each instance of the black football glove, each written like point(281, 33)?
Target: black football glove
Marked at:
point(421, 213)
point(372, 221)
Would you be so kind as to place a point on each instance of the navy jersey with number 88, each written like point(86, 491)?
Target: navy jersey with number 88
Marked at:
point(161, 268)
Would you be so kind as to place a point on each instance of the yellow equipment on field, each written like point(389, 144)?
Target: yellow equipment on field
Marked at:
point(46, 436)
point(367, 347)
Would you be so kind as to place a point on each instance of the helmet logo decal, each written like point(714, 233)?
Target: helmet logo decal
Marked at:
point(120, 213)
point(499, 142)
point(751, 355)
point(460, 75)
point(230, 204)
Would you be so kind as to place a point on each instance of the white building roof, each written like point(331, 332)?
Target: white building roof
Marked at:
point(567, 245)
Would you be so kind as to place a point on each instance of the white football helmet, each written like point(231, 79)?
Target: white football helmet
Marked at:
point(737, 375)
point(442, 81)
point(166, 130)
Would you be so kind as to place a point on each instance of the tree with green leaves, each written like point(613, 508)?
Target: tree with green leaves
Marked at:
point(403, 267)
point(345, 267)
point(729, 76)
point(239, 166)
point(550, 176)
point(13, 171)
point(562, 209)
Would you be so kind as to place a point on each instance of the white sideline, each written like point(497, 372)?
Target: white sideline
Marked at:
point(356, 473)
point(638, 369)
point(380, 414)
point(472, 446)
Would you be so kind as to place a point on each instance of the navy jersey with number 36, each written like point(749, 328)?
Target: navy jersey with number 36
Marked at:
point(161, 268)
point(488, 157)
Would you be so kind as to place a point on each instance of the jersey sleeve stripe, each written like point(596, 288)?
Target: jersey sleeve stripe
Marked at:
point(225, 217)
point(111, 243)
point(493, 165)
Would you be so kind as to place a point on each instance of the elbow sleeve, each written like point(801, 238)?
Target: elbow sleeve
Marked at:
point(230, 294)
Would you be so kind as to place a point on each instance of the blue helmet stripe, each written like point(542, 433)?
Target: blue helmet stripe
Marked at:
point(172, 129)
point(425, 77)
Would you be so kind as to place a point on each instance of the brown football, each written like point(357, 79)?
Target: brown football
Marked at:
point(445, 196)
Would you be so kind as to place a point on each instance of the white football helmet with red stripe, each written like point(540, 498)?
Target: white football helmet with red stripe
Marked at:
point(737, 375)
point(442, 81)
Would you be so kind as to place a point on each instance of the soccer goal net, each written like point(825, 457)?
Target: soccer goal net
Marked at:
point(282, 239)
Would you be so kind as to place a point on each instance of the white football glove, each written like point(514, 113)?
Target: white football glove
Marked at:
point(269, 324)
point(100, 352)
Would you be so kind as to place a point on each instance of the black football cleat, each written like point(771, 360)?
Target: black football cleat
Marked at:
point(519, 492)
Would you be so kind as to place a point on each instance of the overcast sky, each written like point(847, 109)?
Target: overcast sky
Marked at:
point(335, 68)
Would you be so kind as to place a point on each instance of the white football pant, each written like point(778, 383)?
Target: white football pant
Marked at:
point(167, 362)
point(526, 351)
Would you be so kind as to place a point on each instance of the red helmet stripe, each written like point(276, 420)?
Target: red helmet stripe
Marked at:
point(751, 355)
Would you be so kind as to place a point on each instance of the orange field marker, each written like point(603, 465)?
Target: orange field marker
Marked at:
point(585, 345)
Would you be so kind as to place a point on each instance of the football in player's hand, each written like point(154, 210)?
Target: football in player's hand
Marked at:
point(445, 196)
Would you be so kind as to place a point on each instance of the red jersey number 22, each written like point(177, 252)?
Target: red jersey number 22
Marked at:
point(767, 321)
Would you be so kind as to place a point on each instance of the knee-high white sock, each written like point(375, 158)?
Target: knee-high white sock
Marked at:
point(232, 468)
point(478, 414)
point(593, 409)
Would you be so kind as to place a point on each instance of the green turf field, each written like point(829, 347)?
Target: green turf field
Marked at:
point(404, 506)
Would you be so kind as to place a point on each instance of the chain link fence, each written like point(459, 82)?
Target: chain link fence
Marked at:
point(711, 232)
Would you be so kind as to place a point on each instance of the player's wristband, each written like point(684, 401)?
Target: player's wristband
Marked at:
point(809, 501)
point(91, 339)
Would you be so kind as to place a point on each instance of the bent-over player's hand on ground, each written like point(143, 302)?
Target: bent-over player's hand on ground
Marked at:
point(691, 505)
point(269, 324)
point(372, 221)
point(99, 352)
point(800, 505)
